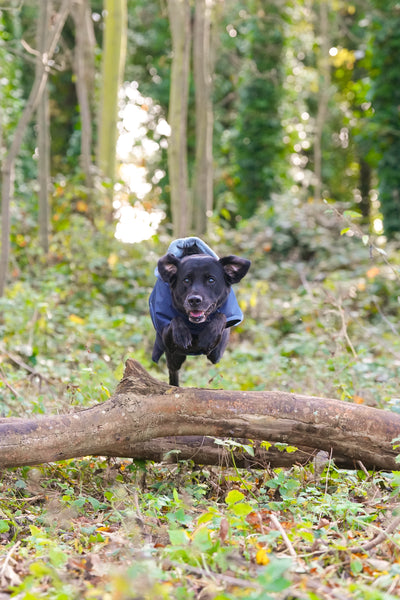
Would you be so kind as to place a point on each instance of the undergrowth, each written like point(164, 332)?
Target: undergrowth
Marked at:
point(321, 312)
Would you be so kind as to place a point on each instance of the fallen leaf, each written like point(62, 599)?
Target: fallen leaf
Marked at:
point(223, 530)
point(262, 557)
point(373, 272)
point(358, 399)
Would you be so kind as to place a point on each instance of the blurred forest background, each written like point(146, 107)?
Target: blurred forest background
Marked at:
point(271, 129)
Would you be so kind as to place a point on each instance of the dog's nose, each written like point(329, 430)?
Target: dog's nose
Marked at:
point(194, 300)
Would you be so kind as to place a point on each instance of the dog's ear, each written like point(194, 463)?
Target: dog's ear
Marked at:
point(168, 267)
point(235, 268)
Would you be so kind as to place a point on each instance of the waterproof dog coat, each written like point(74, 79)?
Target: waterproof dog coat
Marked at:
point(162, 310)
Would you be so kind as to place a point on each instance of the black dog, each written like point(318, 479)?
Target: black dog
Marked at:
point(200, 285)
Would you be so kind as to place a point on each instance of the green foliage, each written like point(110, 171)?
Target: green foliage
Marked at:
point(15, 77)
point(248, 134)
point(172, 543)
point(89, 527)
point(149, 49)
point(385, 96)
point(11, 100)
point(257, 138)
point(321, 312)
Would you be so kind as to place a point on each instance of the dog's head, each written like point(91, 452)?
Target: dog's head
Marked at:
point(199, 283)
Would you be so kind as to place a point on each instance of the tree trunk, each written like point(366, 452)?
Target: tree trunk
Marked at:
point(7, 191)
point(114, 51)
point(324, 74)
point(202, 71)
point(84, 73)
point(203, 450)
point(43, 120)
point(179, 18)
point(365, 189)
point(143, 409)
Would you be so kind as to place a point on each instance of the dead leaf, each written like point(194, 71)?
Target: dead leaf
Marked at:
point(8, 576)
point(223, 530)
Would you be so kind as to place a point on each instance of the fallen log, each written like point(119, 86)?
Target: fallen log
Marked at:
point(204, 450)
point(142, 410)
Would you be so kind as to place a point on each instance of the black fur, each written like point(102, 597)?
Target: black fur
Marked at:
point(200, 284)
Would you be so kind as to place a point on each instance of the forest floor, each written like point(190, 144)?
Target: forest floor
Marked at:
point(321, 311)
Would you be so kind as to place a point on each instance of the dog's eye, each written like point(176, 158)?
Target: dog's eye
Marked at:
point(186, 280)
point(211, 279)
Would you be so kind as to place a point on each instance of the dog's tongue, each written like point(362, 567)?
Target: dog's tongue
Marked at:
point(196, 314)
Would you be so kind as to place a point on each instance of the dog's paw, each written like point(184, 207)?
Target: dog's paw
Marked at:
point(183, 339)
point(211, 336)
point(181, 334)
point(211, 343)
point(216, 327)
point(215, 354)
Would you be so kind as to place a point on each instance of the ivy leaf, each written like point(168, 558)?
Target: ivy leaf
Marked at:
point(178, 537)
point(242, 509)
point(352, 214)
point(233, 497)
point(4, 526)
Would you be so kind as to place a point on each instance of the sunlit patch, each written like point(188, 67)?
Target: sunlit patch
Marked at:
point(378, 225)
point(136, 224)
point(138, 116)
point(134, 178)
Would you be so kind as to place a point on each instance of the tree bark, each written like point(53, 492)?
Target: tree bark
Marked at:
point(84, 72)
point(7, 190)
point(203, 450)
point(43, 122)
point(113, 65)
point(365, 188)
point(202, 72)
point(143, 409)
point(179, 18)
point(324, 73)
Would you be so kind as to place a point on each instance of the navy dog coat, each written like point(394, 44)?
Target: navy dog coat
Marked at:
point(162, 310)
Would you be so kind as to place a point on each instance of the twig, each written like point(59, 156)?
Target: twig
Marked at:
point(285, 538)
point(139, 517)
point(29, 48)
point(8, 385)
point(394, 585)
point(327, 473)
point(363, 469)
point(20, 363)
point(359, 233)
point(303, 279)
point(319, 588)
point(7, 558)
point(13, 8)
point(344, 329)
point(385, 319)
point(381, 537)
point(217, 576)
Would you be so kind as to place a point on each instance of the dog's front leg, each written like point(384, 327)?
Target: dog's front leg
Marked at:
point(177, 339)
point(216, 354)
point(211, 336)
point(177, 335)
point(174, 363)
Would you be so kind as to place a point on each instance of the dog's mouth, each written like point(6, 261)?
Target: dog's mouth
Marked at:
point(197, 316)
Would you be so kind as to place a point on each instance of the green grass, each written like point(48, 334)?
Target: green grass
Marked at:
point(320, 319)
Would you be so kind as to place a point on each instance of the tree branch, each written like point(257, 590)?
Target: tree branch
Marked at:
point(143, 409)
